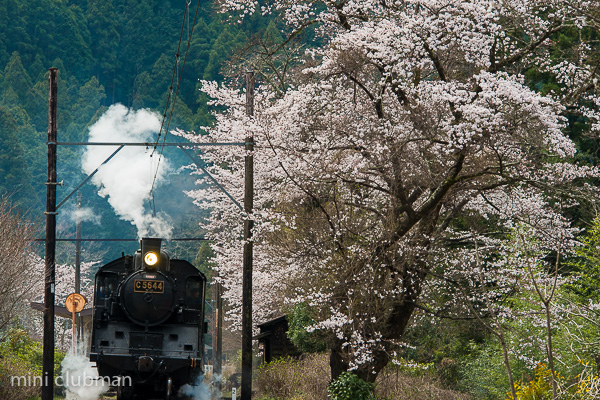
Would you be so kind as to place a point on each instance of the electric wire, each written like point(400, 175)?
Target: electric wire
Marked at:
point(175, 77)
point(191, 34)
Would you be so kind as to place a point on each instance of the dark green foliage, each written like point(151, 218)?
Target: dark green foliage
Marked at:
point(106, 51)
point(203, 260)
point(348, 386)
point(16, 81)
point(129, 47)
point(565, 49)
point(17, 158)
point(227, 41)
point(21, 356)
point(299, 318)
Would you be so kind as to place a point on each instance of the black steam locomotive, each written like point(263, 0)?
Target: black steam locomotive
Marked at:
point(148, 323)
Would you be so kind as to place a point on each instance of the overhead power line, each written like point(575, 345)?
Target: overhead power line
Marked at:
point(176, 76)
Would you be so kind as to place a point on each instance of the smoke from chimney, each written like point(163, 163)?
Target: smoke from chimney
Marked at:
point(126, 180)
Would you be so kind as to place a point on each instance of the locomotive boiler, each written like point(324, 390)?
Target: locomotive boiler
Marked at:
point(148, 323)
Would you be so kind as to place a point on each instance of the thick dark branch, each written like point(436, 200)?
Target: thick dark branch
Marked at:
point(572, 98)
point(376, 101)
point(453, 214)
point(398, 91)
point(442, 74)
point(400, 192)
point(438, 194)
point(342, 17)
point(554, 27)
point(493, 53)
point(436, 61)
point(416, 193)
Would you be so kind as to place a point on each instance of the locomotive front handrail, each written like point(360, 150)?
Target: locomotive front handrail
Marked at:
point(149, 351)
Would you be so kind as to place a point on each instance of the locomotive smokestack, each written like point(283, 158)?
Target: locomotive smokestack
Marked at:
point(150, 244)
point(152, 257)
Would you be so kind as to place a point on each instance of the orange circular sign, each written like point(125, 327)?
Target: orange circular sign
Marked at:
point(75, 302)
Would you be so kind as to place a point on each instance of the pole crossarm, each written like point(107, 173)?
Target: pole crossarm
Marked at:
point(147, 144)
point(88, 177)
point(122, 240)
point(182, 146)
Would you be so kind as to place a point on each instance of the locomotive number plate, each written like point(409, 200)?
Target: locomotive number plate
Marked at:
point(144, 285)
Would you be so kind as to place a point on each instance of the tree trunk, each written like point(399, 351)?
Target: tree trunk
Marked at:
point(396, 325)
point(337, 363)
point(369, 372)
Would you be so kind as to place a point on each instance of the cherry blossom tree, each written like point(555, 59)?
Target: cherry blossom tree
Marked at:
point(65, 285)
point(17, 273)
point(378, 140)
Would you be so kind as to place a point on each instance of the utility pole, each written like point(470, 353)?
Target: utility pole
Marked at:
point(218, 337)
point(50, 273)
point(78, 266)
point(247, 258)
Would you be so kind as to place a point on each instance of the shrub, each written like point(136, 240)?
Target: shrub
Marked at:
point(299, 318)
point(13, 367)
point(21, 356)
point(348, 386)
point(538, 388)
point(483, 373)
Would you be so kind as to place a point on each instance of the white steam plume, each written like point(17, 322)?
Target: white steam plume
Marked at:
point(84, 214)
point(127, 178)
point(80, 377)
point(202, 389)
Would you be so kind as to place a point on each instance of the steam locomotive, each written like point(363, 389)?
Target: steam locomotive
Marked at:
point(148, 323)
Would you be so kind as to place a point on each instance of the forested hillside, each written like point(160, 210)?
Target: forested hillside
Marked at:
point(107, 51)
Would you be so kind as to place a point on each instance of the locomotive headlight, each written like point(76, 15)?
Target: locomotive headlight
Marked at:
point(150, 258)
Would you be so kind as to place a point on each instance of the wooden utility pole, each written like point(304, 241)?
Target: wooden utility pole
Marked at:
point(247, 258)
point(218, 336)
point(78, 267)
point(50, 273)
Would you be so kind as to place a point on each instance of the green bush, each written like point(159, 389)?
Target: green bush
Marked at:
point(348, 386)
point(483, 373)
point(538, 388)
point(299, 318)
point(21, 356)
